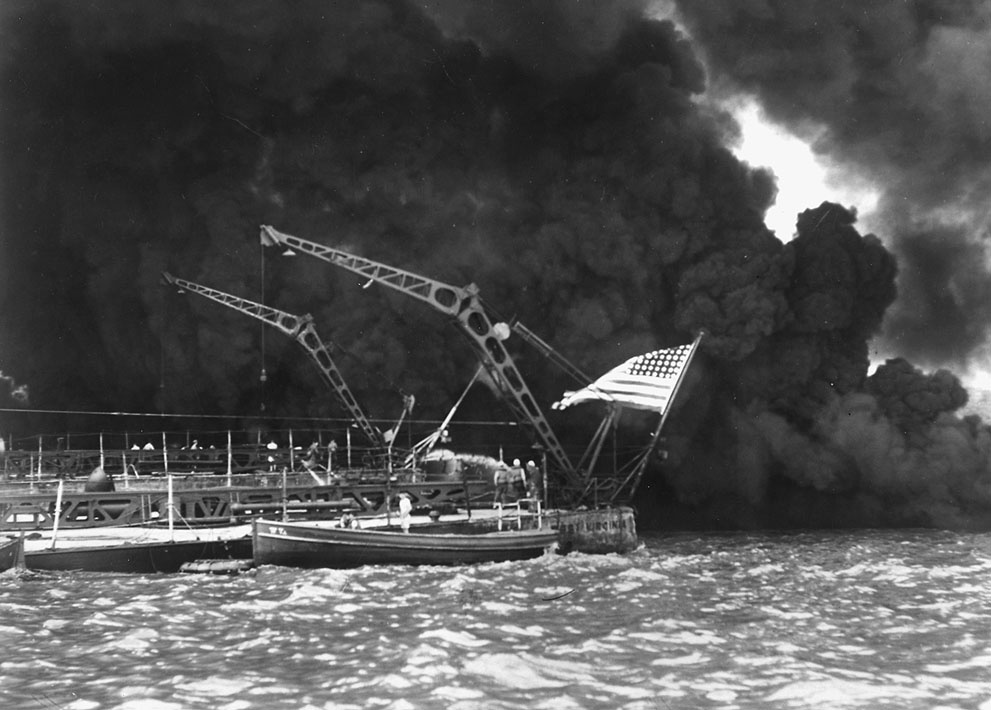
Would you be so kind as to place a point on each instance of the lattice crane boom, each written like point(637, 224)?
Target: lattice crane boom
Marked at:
point(463, 304)
point(301, 329)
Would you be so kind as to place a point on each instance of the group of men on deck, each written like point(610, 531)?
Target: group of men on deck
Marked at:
point(516, 482)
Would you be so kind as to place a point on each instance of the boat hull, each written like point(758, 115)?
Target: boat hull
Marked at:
point(137, 558)
point(302, 545)
point(10, 552)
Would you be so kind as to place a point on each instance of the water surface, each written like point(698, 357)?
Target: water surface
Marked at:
point(861, 619)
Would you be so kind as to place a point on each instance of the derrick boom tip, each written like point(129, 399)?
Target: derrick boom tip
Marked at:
point(268, 238)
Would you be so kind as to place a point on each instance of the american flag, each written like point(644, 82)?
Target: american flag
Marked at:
point(642, 382)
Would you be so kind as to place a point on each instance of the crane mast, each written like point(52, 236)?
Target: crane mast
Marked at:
point(463, 304)
point(301, 329)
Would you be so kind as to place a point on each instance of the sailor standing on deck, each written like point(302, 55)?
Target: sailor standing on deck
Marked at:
point(517, 480)
point(535, 479)
point(501, 481)
point(310, 460)
point(405, 508)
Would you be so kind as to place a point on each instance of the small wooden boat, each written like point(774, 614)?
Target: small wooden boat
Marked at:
point(319, 544)
point(135, 550)
point(10, 552)
point(135, 558)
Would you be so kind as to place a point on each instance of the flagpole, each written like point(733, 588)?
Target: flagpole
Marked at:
point(637, 472)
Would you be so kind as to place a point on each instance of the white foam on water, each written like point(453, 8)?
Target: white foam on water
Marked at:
point(384, 585)
point(786, 648)
point(430, 674)
point(860, 569)
point(148, 704)
point(619, 587)
point(856, 650)
point(316, 592)
point(573, 671)
point(81, 704)
point(970, 589)
point(898, 574)
point(790, 615)
point(945, 571)
point(19, 665)
point(975, 662)
point(510, 671)
point(137, 641)
point(528, 671)
point(13, 607)
point(253, 643)
point(532, 631)
point(101, 619)
point(596, 647)
point(272, 689)
point(252, 605)
point(396, 681)
point(901, 630)
point(461, 581)
point(133, 691)
point(139, 607)
point(501, 607)
point(643, 575)
point(425, 654)
point(968, 616)
point(347, 608)
point(625, 691)
point(215, 687)
point(757, 661)
point(723, 695)
point(457, 638)
point(837, 693)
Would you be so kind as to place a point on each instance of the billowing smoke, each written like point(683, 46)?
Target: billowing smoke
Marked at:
point(552, 153)
point(17, 393)
point(895, 91)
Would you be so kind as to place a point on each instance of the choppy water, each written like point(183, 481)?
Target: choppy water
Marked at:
point(897, 619)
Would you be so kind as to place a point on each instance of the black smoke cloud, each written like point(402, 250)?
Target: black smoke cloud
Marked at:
point(17, 393)
point(556, 156)
point(895, 91)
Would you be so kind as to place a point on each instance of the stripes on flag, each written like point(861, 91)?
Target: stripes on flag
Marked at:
point(643, 382)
